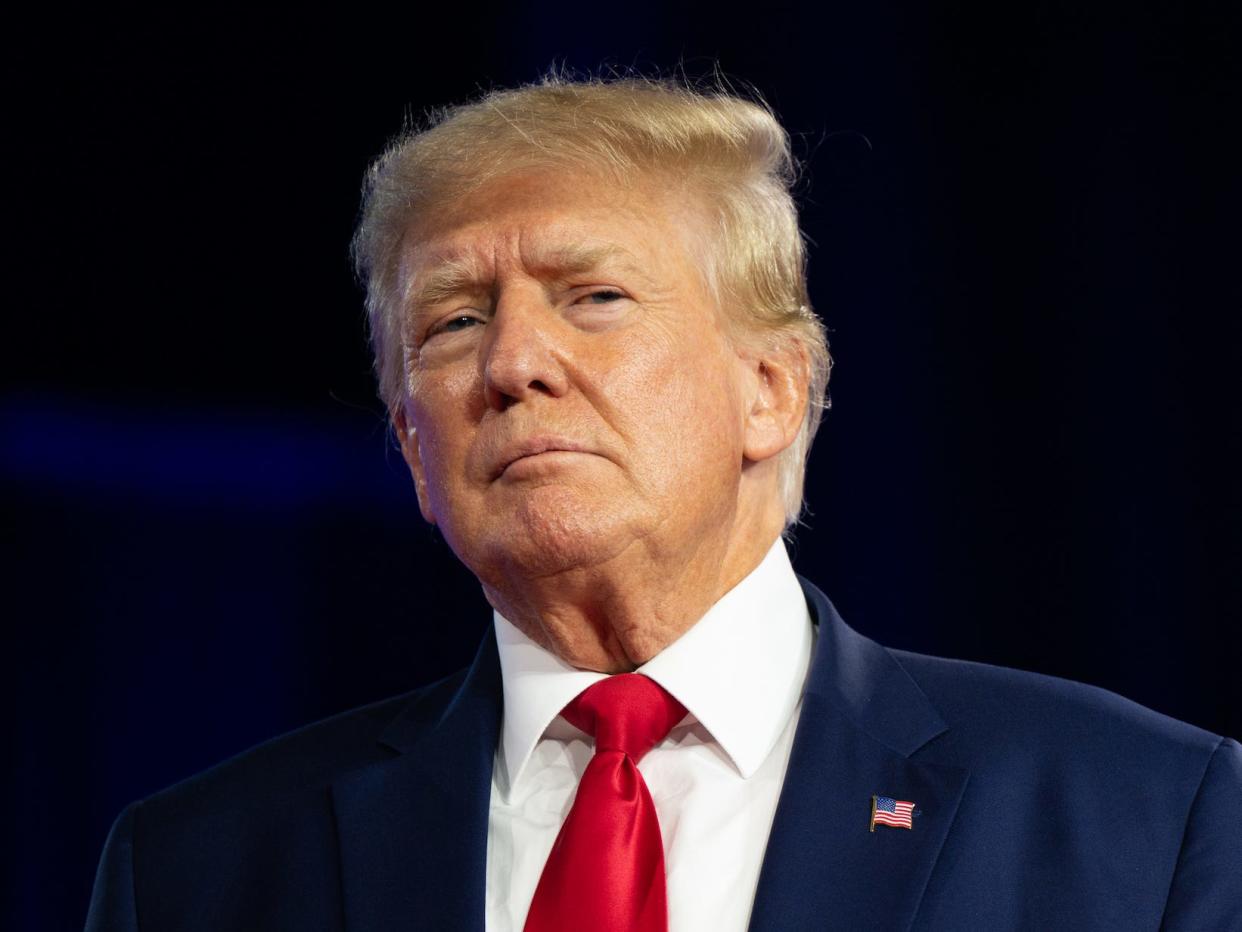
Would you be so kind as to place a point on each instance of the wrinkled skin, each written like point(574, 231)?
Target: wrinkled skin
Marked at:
point(579, 423)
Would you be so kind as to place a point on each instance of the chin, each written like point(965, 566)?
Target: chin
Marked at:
point(554, 529)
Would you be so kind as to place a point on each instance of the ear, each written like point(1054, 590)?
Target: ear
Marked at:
point(407, 437)
point(780, 378)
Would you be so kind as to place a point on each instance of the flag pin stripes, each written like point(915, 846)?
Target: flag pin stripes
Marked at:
point(897, 813)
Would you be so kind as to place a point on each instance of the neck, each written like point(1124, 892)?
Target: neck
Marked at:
point(617, 615)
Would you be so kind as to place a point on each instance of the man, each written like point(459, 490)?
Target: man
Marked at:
point(591, 326)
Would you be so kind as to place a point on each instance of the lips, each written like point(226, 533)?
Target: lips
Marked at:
point(533, 446)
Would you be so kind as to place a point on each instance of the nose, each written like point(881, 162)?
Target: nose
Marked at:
point(519, 358)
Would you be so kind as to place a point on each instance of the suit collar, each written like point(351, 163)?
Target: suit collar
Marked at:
point(413, 830)
point(467, 699)
point(865, 683)
point(863, 718)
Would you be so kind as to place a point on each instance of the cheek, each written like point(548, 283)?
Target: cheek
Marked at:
point(683, 413)
point(445, 396)
point(442, 436)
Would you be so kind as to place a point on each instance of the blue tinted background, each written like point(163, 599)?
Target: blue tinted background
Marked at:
point(1023, 228)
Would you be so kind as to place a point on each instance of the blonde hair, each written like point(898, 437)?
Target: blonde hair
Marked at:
point(729, 150)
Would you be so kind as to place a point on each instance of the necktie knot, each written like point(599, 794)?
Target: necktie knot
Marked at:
point(627, 712)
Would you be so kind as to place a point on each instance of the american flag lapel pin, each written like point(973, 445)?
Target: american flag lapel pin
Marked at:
point(885, 810)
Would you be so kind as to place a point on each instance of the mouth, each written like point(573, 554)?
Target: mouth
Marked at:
point(529, 449)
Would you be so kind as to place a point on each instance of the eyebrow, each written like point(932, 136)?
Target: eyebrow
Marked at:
point(575, 260)
point(465, 275)
point(449, 277)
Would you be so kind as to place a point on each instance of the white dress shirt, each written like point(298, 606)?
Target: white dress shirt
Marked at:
point(715, 779)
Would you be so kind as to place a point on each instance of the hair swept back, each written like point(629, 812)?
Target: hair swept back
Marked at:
point(729, 149)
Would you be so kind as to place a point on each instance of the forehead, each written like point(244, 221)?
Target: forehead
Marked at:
point(555, 223)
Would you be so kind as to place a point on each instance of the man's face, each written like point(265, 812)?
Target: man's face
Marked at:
point(572, 391)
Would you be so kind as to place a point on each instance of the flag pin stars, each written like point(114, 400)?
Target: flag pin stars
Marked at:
point(897, 813)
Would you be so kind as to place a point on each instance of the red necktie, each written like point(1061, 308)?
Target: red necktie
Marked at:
point(606, 870)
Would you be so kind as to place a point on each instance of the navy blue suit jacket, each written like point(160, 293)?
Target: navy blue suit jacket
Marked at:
point(1043, 804)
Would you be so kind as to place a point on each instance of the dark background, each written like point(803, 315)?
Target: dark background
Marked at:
point(1023, 231)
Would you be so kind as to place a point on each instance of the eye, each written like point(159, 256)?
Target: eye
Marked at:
point(453, 324)
point(602, 296)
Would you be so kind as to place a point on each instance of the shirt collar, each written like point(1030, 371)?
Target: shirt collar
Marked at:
point(739, 670)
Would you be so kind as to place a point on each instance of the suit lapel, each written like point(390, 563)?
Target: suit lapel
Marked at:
point(862, 719)
point(413, 830)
